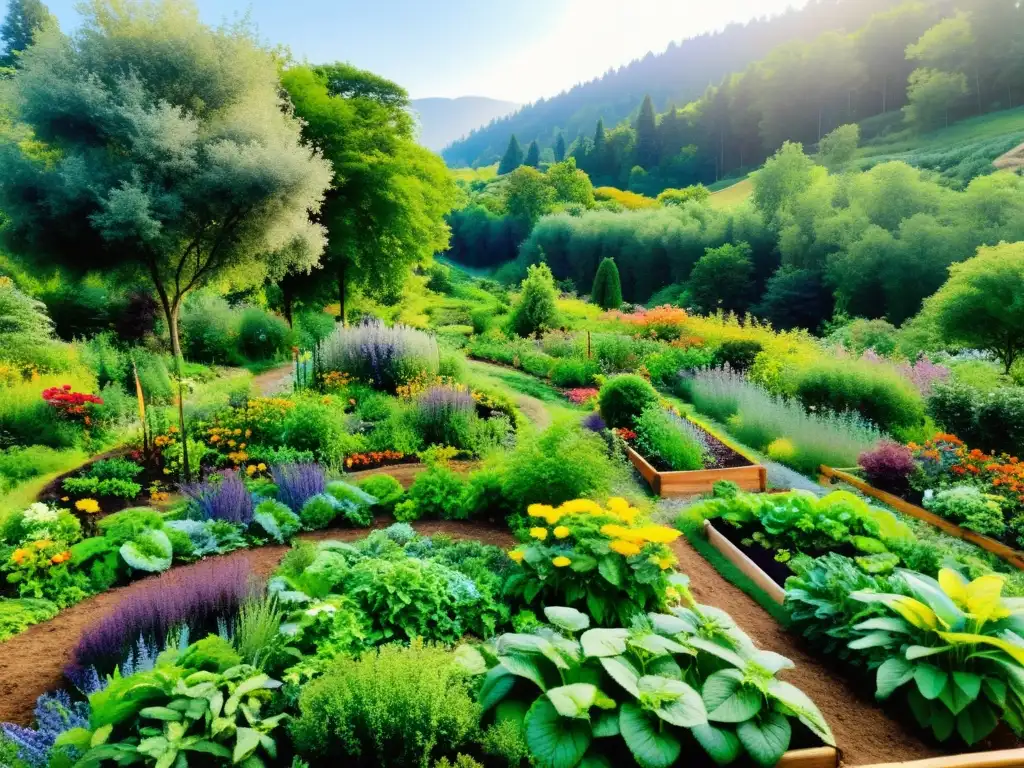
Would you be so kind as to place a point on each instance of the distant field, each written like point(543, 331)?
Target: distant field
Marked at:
point(958, 153)
point(730, 197)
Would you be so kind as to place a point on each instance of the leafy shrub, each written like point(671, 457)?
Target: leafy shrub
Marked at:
point(560, 464)
point(356, 505)
point(596, 557)
point(316, 425)
point(276, 519)
point(91, 486)
point(880, 396)
point(442, 416)
point(968, 506)
point(222, 496)
point(661, 440)
point(435, 494)
point(623, 398)
point(574, 372)
point(387, 490)
point(17, 615)
point(21, 463)
point(195, 597)
point(963, 689)
point(536, 311)
point(401, 706)
point(209, 329)
point(606, 685)
point(378, 355)
point(263, 336)
point(319, 512)
point(117, 468)
point(993, 420)
point(127, 524)
point(888, 466)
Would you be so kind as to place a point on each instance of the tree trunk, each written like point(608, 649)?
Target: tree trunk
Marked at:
point(172, 327)
point(341, 295)
point(286, 298)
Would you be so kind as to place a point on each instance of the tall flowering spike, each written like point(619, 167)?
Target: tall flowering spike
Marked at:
point(298, 483)
point(222, 496)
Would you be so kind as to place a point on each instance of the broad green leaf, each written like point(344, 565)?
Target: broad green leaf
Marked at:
point(803, 707)
point(595, 760)
point(100, 735)
point(930, 591)
point(613, 569)
point(968, 683)
point(652, 746)
point(573, 700)
point(667, 625)
point(721, 744)
point(942, 722)
point(771, 661)
point(497, 683)
point(921, 651)
point(210, 748)
point(582, 563)
point(1014, 651)
point(665, 666)
point(657, 645)
point(931, 681)
point(891, 675)
point(765, 739)
point(995, 690)
point(623, 673)
point(605, 724)
point(920, 707)
point(725, 654)
point(522, 665)
point(871, 640)
point(160, 713)
point(976, 722)
point(555, 741)
point(672, 700)
point(886, 623)
point(568, 619)
point(511, 709)
point(247, 741)
point(600, 643)
point(955, 699)
point(728, 700)
point(513, 643)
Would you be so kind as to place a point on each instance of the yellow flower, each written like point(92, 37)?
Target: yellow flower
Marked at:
point(671, 593)
point(43, 544)
point(624, 548)
point(539, 533)
point(581, 506)
point(89, 506)
point(549, 513)
point(617, 505)
point(561, 561)
point(628, 515)
point(658, 534)
point(261, 467)
point(65, 498)
point(251, 469)
point(561, 532)
point(613, 531)
point(516, 556)
point(20, 555)
point(664, 563)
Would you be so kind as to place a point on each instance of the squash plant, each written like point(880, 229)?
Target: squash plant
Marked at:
point(601, 697)
point(956, 648)
point(162, 717)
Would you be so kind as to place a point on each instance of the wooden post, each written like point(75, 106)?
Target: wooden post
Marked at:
point(588, 345)
point(142, 411)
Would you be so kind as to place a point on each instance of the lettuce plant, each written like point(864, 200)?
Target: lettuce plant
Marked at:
point(582, 696)
point(954, 648)
point(149, 551)
point(276, 520)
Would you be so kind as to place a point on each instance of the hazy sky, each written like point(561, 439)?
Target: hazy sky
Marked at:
point(519, 51)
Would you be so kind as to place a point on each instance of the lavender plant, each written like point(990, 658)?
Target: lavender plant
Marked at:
point(298, 483)
point(443, 416)
point(222, 496)
point(158, 609)
point(55, 714)
point(380, 355)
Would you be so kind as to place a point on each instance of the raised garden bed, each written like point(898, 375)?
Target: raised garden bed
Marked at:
point(730, 464)
point(1013, 557)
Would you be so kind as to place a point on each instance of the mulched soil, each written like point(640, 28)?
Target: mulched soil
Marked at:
point(724, 456)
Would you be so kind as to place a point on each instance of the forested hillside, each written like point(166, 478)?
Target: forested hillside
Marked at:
point(677, 76)
point(913, 67)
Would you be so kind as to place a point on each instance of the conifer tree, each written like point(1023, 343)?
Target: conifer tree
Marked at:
point(513, 157)
point(596, 162)
point(560, 148)
point(607, 290)
point(646, 136)
point(24, 19)
point(532, 155)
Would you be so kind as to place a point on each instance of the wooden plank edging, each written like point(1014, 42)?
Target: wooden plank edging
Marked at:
point(1010, 555)
point(750, 569)
point(1005, 758)
point(696, 482)
point(815, 757)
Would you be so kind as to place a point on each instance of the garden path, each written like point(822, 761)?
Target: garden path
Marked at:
point(780, 476)
point(533, 408)
point(276, 381)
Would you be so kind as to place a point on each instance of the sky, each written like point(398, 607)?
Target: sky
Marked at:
point(518, 51)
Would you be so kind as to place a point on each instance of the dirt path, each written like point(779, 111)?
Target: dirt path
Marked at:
point(863, 731)
point(32, 662)
point(1012, 160)
point(533, 408)
point(276, 381)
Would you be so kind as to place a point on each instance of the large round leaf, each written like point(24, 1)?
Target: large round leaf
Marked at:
point(568, 619)
point(765, 739)
point(555, 741)
point(721, 744)
point(673, 701)
point(599, 643)
point(652, 746)
point(728, 700)
point(623, 673)
point(573, 700)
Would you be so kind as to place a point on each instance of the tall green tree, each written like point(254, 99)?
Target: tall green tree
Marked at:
point(570, 184)
point(153, 144)
point(723, 279)
point(787, 174)
point(836, 150)
point(528, 196)
point(536, 310)
point(646, 136)
point(597, 159)
point(24, 19)
point(513, 157)
point(607, 289)
point(532, 155)
point(560, 148)
point(933, 94)
point(385, 210)
point(982, 304)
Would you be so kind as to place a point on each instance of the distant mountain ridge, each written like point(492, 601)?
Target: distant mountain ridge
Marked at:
point(677, 76)
point(443, 121)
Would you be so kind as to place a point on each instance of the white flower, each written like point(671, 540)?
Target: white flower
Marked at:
point(39, 513)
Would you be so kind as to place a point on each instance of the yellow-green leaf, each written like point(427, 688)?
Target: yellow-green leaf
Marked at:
point(967, 638)
point(983, 598)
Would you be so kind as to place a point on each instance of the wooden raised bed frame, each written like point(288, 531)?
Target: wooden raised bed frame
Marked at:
point(681, 484)
point(1005, 758)
point(1010, 555)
